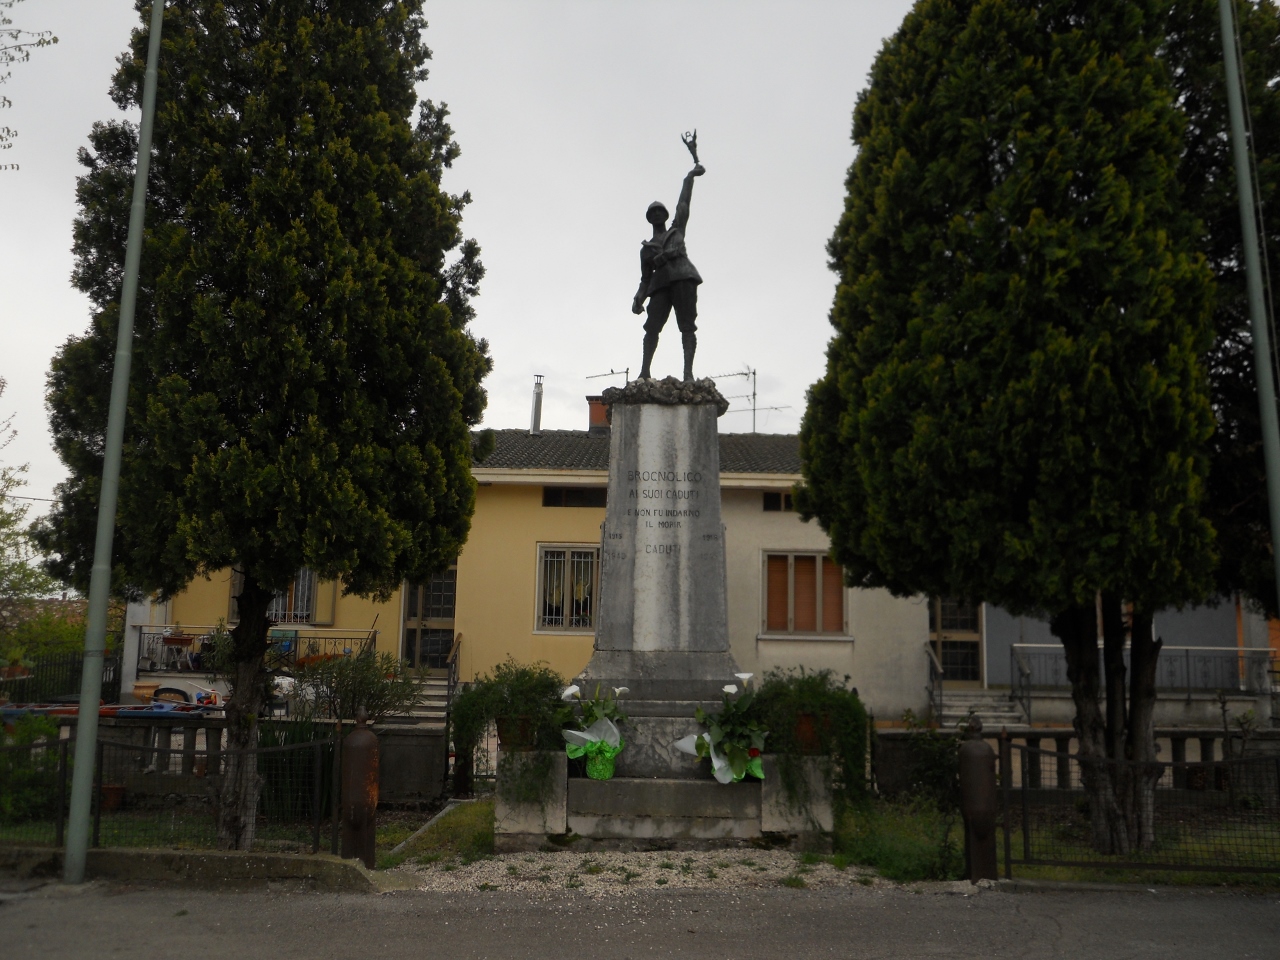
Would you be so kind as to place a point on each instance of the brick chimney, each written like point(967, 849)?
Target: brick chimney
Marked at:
point(597, 417)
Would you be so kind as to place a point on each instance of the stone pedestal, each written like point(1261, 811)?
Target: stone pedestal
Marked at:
point(663, 618)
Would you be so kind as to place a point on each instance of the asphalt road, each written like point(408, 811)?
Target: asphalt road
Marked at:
point(182, 924)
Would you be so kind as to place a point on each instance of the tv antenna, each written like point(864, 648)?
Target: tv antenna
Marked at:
point(750, 373)
point(624, 372)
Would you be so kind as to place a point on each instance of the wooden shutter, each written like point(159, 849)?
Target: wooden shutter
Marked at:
point(776, 593)
point(806, 595)
point(832, 597)
point(326, 598)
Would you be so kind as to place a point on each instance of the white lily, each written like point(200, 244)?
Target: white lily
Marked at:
point(619, 691)
point(744, 677)
point(571, 691)
point(689, 744)
point(720, 768)
point(603, 729)
point(730, 688)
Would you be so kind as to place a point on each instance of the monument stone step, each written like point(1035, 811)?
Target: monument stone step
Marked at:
point(664, 808)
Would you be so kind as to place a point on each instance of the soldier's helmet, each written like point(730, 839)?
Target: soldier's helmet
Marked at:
point(657, 212)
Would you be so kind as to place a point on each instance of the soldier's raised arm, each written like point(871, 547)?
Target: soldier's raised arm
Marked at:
point(686, 194)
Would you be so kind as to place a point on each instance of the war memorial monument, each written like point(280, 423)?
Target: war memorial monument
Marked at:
point(662, 627)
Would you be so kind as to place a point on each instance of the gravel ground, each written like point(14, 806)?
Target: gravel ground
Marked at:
point(605, 873)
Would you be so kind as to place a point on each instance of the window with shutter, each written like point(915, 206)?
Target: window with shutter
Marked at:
point(803, 594)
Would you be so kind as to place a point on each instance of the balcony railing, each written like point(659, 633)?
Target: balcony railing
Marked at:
point(1186, 670)
point(174, 647)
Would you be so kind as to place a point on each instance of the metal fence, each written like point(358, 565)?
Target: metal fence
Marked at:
point(56, 679)
point(146, 795)
point(1221, 815)
point(1186, 670)
point(166, 649)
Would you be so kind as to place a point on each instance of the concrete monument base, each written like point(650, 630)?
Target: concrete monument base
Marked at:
point(662, 632)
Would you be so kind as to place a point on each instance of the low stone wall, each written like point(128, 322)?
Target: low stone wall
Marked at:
point(659, 813)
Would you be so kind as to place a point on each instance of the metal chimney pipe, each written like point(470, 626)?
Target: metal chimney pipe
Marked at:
point(535, 424)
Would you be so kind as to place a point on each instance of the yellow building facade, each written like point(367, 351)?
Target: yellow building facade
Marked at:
point(525, 584)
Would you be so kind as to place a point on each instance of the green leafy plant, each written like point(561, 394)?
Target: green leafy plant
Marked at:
point(29, 777)
point(596, 737)
point(813, 713)
point(527, 696)
point(339, 688)
point(734, 741)
point(16, 656)
point(905, 841)
point(593, 708)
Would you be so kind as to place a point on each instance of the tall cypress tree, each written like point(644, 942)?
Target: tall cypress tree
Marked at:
point(1015, 408)
point(304, 382)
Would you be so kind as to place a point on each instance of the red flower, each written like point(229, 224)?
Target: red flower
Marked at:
point(753, 753)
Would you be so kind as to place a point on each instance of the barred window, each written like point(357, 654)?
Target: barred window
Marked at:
point(298, 602)
point(295, 604)
point(567, 582)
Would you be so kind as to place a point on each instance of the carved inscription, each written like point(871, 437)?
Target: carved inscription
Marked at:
point(662, 500)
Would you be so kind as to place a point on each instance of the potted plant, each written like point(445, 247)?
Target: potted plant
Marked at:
point(814, 714)
point(734, 739)
point(594, 734)
point(15, 666)
point(524, 703)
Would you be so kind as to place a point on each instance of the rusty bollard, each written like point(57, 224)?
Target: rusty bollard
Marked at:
point(360, 792)
point(978, 804)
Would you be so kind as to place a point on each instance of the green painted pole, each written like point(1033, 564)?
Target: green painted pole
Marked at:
point(1261, 330)
point(78, 821)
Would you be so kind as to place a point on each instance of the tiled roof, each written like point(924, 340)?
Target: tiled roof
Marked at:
point(766, 453)
point(552, 450)
point(759, 453)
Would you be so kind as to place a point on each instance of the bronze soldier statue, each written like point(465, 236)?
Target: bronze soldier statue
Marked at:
point(667, 279)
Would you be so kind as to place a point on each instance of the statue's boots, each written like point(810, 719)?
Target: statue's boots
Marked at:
point(690, 341)
point(650, 347)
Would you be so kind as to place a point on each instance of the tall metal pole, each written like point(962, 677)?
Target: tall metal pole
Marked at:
point(1262, 367)
point(78, 822)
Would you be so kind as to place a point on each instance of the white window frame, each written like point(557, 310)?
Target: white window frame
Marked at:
point(790, 633)
point(539, 586)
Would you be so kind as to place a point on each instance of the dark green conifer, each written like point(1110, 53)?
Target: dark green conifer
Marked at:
point(304, 383)
point(1015, 407)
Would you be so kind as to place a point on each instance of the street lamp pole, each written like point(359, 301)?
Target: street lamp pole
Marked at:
point(78, 819)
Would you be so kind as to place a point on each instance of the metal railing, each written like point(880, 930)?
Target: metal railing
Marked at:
point(1043, 666)
point(57, 680)
point(173, 647)
point(455, 653)
point(1221, 815)
point(934, 686)
point(1020, 679)
point(151, 795)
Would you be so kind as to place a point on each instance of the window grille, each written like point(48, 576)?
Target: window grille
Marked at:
point(297, 603)
point(567, 588)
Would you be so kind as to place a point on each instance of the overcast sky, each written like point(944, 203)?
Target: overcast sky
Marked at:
point(569, 116)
